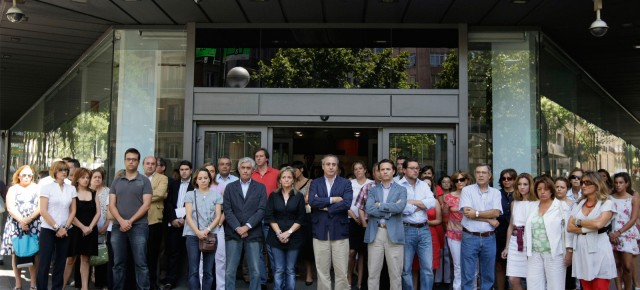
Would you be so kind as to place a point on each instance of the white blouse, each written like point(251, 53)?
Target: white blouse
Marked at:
point(59, 203)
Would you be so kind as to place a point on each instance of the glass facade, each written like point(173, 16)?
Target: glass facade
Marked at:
point(72, 120)
point(326, 58)
point(148, 97)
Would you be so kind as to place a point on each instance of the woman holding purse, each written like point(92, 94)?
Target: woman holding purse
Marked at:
point(23, 211)
point(203, 207)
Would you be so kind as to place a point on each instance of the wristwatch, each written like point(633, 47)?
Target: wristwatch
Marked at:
point(578, 223)
point(56, 227)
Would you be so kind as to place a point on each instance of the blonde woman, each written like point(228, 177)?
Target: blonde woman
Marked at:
point(515, 251)
point(453, 218)
point(593, 261)
point(23, 210)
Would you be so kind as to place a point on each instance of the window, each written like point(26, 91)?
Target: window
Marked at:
point(437, 59)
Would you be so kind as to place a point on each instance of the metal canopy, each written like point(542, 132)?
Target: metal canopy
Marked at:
point(35, 53)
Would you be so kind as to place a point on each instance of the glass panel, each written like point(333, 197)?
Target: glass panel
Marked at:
point(428, 148)
point(328, 58)
point(234, 145)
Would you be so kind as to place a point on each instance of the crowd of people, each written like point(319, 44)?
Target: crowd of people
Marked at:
point(392, 227)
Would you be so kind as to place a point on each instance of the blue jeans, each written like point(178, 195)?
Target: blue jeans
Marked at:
point(284, 268)
point(263, 265)
point(136, 237)
point(193, 256)
point(474, 248)
point(56, 248)
point(252, 253)
point(418, 241)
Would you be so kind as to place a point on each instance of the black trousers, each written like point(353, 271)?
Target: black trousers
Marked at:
point(153, 252)
point(174, 250)
point(49, 244)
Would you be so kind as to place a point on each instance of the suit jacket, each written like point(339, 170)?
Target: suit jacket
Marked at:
point(239, 210)
point(170, 203)
point(390, 210)
point(159, 184)
point(333, 223)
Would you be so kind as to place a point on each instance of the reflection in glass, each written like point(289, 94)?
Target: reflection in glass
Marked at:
point(429, 149)
point(234, 145)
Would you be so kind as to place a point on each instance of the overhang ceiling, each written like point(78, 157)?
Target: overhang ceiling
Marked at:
point(35, 53)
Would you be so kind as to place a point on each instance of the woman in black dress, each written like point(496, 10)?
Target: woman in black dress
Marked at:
point(84, 234)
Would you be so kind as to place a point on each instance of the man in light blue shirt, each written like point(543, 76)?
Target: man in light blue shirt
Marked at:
point(418, 238)
point(479, 203)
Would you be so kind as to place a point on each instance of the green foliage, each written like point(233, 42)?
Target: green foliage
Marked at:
point(335, 68)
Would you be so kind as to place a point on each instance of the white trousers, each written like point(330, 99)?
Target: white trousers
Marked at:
point(454, 249)
point(545, 272)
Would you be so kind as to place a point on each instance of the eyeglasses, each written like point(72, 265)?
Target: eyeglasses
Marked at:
point(506, 178)
point(586, 183)
point(456, 180)
point(575, 177)
point(24, 175)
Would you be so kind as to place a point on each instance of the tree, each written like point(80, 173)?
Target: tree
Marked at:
point(335, 68)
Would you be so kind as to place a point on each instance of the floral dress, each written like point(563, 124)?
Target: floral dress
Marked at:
point(26, 202)
point(628, 241)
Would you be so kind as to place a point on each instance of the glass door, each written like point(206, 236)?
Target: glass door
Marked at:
point(433, 147)
point(234, 142)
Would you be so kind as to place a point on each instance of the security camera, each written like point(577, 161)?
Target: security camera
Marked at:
point(324, 118)
point(598, 28)
point(15, 15)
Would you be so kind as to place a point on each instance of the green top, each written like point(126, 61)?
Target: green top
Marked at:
point(540, 242)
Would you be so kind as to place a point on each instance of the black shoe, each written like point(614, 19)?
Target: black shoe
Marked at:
point(264, 286)
point(1, 262)
point(167, 286)
point(308, 283)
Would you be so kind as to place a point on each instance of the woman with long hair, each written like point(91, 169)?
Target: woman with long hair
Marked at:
point(203, 207)
point(57, 210)
point(23, 209)
point(356, 231)
point(590, 221)
point(453, 216)
point(546, 239)
point(515, 251)
point(507, 187)
point(625, 235)
point(285, 215)
point(83, 237)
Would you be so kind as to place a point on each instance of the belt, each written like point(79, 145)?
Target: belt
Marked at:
point(384, 226)
point(602, 230)
point(415, 225)
point(482, 234)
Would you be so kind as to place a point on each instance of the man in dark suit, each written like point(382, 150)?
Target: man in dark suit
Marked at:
point(244, 203)
point(173, 216)
point(330, 198)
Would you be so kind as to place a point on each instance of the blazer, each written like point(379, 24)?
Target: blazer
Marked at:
point(391, 211)
point(238, 210)
point(555, 223)
point(159, 184)
point(333, 223)
point(170, 203)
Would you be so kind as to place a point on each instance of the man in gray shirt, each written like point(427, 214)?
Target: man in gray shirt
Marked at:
point(129, 201)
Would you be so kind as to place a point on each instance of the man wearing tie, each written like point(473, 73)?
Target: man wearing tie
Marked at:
point(330, 198)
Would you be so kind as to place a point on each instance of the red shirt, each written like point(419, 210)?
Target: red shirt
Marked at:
point(269, 179)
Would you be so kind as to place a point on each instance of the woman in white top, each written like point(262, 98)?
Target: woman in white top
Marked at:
point(103, 272)
point(514, 251)
point(23, 210)
point(593, 261)
point(356, 231)
point(57, 210)
point(625, 235)
point(546, 239)
point(562, 188)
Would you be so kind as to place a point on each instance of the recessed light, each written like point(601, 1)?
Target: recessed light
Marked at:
point(637, 46)
point(519, 1)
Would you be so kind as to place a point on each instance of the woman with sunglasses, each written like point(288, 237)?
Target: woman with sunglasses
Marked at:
point(576, 190)
point(507, 187)
point(453, 216)
point(23, 210)
point(546, 239)
point(514, 251)
point(625, 235)
point(590, 220)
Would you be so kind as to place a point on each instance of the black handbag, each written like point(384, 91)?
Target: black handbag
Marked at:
point(210, 243)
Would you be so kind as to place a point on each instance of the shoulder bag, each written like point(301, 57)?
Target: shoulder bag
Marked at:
point(25, 245)
point(103, 255)
point(210, 243)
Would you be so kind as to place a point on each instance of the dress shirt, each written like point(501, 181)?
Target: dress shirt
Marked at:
point(182, 192)
point(222, 182)
point(421, 192)
point(269, 179)
point(385, 195)
point(361, 201)
point(481, 201)
point(572, 196)
point(245, 187)
point(329, 184)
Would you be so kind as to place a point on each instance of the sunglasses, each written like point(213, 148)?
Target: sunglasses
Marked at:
point(462, 179)
point(506, 178)
point(575, 177)
point(24, 175)
point(586, 183)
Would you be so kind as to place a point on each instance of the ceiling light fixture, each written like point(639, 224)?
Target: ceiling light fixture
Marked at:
point(598, 28)
point(519, 1)
point(15, 14)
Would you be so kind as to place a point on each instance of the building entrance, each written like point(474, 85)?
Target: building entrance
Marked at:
point(431, 146)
